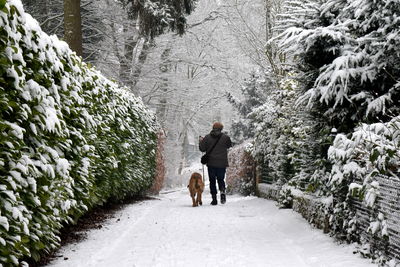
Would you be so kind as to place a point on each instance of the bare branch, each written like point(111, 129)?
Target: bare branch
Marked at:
point(213, 15)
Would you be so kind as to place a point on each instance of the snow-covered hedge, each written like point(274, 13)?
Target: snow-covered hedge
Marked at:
point(240, 176)
point(70, 139)
point(159, 176)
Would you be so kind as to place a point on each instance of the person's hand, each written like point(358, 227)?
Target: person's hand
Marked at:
point(201, 138)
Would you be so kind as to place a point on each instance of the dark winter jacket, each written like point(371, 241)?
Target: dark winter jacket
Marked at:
point(219, 155)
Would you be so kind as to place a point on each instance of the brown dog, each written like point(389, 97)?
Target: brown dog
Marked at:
point(196, 187)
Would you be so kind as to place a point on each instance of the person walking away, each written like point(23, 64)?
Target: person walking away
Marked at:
point(218, 159)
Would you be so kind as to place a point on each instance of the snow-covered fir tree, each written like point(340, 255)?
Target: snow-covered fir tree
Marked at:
point(349, 54)
point(254, 95)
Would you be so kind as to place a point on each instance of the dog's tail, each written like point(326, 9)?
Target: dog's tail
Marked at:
point(197, 185)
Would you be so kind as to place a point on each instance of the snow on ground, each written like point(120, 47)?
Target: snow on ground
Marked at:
point(246, 231)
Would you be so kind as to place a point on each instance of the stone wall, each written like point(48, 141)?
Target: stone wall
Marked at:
point(310, 207)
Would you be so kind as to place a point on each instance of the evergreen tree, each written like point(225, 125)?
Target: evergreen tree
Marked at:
point(154, 17)
point(291, 141)
point(254, 92)
point(349, 52)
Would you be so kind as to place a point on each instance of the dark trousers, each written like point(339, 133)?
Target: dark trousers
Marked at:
point(216, 175)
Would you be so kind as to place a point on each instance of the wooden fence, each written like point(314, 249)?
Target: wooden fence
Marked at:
point(387, 203)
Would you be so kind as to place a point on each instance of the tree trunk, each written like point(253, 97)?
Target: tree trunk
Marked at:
point(73, 25)
point(126, 60)
point(268, 23)
point(164, 68)
point(47, 12)
point(183, 147)
point(141, 60)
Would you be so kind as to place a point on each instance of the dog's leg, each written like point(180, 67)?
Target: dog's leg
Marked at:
point(193, 199)
point(199, 198)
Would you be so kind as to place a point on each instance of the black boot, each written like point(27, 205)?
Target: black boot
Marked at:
point(214, 200)
point(223, 197)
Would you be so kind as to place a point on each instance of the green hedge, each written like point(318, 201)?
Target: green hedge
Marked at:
point(69, 138)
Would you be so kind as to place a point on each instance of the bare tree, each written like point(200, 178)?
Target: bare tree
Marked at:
point(186, 79)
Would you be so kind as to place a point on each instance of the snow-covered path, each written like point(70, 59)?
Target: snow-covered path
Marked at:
point(246, 231)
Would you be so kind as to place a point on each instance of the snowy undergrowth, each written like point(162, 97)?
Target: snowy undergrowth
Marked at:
point(70, 139)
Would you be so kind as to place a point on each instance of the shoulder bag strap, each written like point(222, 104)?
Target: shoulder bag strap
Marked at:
point(208, 152)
